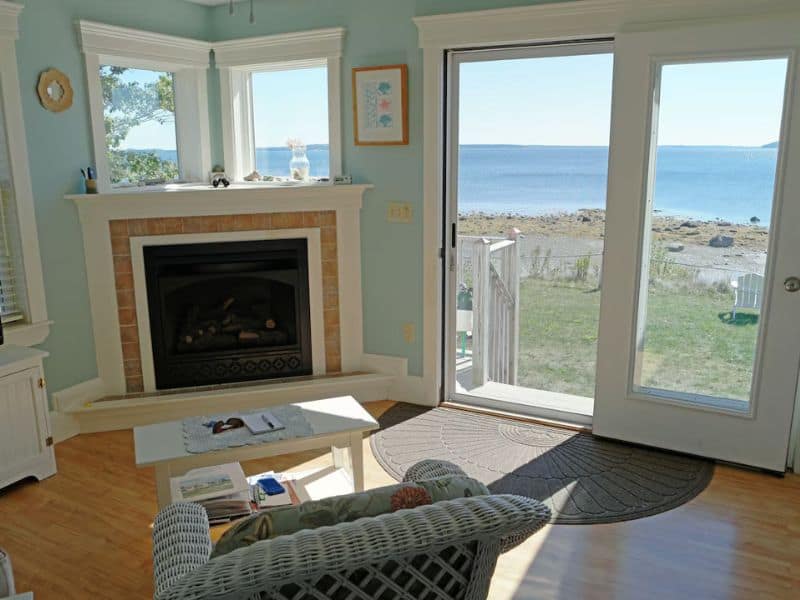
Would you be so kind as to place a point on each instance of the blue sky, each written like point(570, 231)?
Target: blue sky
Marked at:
point(290, 104)
point(151, 134)
point(566, 101)
point(542, 101)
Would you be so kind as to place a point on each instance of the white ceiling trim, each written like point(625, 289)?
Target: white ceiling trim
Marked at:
point(576, 18)
point(110, 41)
point(9, 11)
point(285, 47)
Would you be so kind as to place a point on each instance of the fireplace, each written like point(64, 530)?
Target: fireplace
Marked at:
point(224, 312)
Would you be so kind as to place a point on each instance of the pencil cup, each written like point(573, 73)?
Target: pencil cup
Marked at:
point(91, 186)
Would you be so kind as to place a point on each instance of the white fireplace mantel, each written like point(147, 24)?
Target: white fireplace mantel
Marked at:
point(96, 211)
point(190, 199)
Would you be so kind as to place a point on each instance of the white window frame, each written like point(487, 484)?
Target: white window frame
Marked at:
point(237, 60)
point(35, 327)
point(188, 59)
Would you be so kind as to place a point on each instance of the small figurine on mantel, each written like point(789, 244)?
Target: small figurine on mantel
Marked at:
point(254, 176)
point(218, 177)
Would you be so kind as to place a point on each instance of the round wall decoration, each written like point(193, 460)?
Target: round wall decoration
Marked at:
point(55, 90)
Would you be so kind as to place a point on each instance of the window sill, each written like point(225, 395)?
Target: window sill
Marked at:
point(202, 186)
point(26, 334)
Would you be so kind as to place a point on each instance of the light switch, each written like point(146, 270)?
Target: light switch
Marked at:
point(409, 333)
point(400, 212)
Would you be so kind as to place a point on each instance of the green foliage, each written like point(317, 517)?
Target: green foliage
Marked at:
point(139, 166)
point(689, 346)
point(582, 268)
point(663, 266)
point(128, 104)
point(540, 264)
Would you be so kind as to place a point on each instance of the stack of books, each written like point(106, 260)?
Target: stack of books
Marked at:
point(262, 499)
point(223, 490)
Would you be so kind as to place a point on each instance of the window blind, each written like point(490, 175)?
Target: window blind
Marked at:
point(9, 234)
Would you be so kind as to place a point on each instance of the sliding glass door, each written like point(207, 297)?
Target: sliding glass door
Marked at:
point(647, 285)
point(528, 176)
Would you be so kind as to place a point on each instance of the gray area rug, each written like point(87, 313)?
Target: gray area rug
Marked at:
point(583, 479)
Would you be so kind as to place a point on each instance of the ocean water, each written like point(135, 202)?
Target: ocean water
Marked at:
point(701, 182)
point(275, 161)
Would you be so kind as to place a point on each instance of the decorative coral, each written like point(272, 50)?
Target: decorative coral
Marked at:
point(410, 497)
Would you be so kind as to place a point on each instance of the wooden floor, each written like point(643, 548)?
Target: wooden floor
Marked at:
point(85, 533)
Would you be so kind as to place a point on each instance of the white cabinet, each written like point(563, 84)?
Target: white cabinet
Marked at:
point(26, 442)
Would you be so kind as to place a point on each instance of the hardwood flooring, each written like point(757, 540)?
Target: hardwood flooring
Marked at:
point(85, 533)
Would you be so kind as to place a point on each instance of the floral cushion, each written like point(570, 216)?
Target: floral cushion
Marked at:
point(286, 520)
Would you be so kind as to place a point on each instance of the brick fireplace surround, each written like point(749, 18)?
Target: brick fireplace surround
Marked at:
point(121, 231)
point(116, 226)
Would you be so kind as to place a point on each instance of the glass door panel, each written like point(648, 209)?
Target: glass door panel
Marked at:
point(528, 174)
point(711, 188)
point(699, 340)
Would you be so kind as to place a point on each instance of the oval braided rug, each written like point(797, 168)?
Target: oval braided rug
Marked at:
point(582, 479)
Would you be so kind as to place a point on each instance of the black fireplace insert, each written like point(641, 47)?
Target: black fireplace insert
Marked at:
point(224, 312)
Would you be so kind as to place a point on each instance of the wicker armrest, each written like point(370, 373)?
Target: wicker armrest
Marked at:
point(305, 556)
point(428, 469)
point(181, 543)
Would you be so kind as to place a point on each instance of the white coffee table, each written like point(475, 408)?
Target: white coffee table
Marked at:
point(337, 423)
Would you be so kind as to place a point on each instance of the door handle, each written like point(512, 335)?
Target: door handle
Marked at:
point(792, 284)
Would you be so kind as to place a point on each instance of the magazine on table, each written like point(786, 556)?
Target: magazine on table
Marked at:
point(222, 490)
point(209, 482)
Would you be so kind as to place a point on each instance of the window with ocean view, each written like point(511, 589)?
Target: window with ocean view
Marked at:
point(712, 189)
point(139, 119)
point(290, 108)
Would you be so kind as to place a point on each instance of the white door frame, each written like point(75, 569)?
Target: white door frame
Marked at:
point(450, 209)
point(581, 19)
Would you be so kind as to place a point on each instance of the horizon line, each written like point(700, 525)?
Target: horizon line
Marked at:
point(767, 146)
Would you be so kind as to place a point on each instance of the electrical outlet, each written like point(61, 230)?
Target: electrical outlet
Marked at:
point(409, 333)
point(400, 212)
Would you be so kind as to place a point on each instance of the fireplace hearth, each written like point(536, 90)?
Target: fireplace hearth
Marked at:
point(224, 312)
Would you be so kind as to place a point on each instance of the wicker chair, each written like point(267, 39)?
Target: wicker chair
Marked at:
point(440, 551)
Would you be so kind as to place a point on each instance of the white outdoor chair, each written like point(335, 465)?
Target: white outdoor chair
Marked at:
point(747, 291)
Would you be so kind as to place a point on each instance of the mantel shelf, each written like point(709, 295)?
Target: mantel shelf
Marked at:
point(202, 199)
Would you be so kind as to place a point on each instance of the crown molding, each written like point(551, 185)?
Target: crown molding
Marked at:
point(112, 41)
point(286, 47)
point(9, 13)
point(577, 18)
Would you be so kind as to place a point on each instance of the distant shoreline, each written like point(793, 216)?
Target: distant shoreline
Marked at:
point(589, 223)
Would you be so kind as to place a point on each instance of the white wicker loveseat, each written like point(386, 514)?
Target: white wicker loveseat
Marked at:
point(440, 551)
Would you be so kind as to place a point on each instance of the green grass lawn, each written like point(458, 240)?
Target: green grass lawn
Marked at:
point(691, 345)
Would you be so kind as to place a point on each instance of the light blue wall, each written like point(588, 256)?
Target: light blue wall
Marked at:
point(378, 32)
point(60, 144)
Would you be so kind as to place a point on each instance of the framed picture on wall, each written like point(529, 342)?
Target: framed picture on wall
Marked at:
point(380, 105)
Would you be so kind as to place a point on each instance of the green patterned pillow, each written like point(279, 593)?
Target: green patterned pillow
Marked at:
point(286, 520)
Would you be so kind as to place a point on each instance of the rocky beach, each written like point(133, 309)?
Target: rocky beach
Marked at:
point(713, 247)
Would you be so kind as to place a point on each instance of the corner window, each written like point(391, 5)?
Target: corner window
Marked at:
point(149, 106)
point(281, 106)
point(139, 119)
point(290, 123)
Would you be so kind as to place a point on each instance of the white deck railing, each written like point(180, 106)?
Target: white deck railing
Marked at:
point(495, 306)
